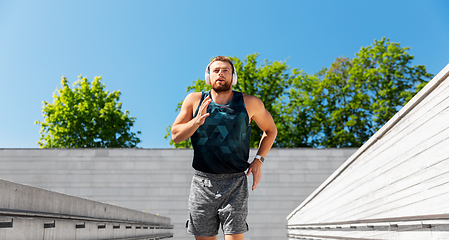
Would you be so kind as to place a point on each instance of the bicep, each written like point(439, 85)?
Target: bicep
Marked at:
point(261, 116)
point(184, 116)
point(264, 120)
point(186, 112)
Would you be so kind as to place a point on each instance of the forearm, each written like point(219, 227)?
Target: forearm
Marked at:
point(266, 142)
point(182, 132)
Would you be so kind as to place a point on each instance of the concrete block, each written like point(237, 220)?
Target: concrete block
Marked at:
point(126, 165)
point(23, 164)
point(22, 153)
point(312, 152)
point(66, 165)
point(141, 165)
point(155, 153)
point(77, 152)
point(182, 178)
point(141, 192)
point(45, 153)
point(316, 178)
point(101, 153)
point(271, 165)
point(7, 165)
point(154, 165)
point(291, 152)
point(126, 152)
point(115, 152)
point(335, 164)
point(140, 153)
point(8, 153)
point(274, 152)
point(338, 152)
point(35, 153)
point(85, 192)
point(292, 178)
point(325, 166)
point(269, 178)
point(312, 165)
point(318, 158)
point(165, 153)
point(184, 153)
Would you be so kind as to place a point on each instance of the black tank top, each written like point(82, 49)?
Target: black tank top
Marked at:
point(221, 144)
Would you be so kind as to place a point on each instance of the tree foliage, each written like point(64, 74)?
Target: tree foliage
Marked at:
point(340, 106)
point(86, 116)
point(268, 82)
point(356, 97)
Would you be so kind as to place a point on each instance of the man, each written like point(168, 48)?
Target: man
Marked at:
point(218, 123)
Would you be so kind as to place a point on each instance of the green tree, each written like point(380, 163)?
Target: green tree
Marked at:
point(269, 82)
point(86, 116)
point(340, 106)
point(299, 122)
point(355, 97)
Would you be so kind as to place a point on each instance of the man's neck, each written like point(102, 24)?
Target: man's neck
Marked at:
point(222, 97)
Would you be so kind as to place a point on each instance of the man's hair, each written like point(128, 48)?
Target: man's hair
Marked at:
point(221, 59)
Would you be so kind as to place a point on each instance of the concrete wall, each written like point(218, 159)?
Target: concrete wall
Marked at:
point(158, 180)
point(396, 186)
point(29, 213)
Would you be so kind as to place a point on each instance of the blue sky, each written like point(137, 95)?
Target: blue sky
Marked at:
point(152, 50)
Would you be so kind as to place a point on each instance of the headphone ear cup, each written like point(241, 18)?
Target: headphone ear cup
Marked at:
point(206, 75)
point(234, 77)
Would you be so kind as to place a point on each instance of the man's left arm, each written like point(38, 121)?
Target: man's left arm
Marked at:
point(265, 122)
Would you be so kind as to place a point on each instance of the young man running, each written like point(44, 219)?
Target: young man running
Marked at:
point(218, 123)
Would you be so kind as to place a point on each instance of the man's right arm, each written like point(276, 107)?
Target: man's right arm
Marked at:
point(185, 124)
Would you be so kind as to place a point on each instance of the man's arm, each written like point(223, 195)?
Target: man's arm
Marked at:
point(263, 119)
point(185, 124)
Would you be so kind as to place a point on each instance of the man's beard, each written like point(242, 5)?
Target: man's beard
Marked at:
point(222, 88)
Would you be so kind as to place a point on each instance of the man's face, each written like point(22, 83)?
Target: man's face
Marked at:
point(220, 74)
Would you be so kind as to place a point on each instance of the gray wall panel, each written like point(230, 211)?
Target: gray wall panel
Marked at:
point(158, 180)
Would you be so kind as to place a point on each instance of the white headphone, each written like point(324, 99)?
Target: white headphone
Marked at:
point(207, 78)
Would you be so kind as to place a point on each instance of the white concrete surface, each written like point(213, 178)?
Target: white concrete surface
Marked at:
point(400, 175)
point(158, 180)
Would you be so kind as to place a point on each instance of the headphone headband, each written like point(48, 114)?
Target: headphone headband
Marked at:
point(207, 76)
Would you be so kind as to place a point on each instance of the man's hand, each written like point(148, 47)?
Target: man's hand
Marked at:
point(185, 125)
point(256, 169)
point(202, 112)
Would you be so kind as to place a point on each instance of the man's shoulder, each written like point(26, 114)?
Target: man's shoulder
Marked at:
point(252, 102)
point(194, 94)
point(193, 97)
point(251, 98)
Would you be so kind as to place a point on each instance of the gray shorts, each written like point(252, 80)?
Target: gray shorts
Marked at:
point(218, 199)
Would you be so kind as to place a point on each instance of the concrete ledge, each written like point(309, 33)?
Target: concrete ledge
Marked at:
point(20, 197)
point(32, 213)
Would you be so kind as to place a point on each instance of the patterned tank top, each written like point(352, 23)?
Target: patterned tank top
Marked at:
point(221, 144)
